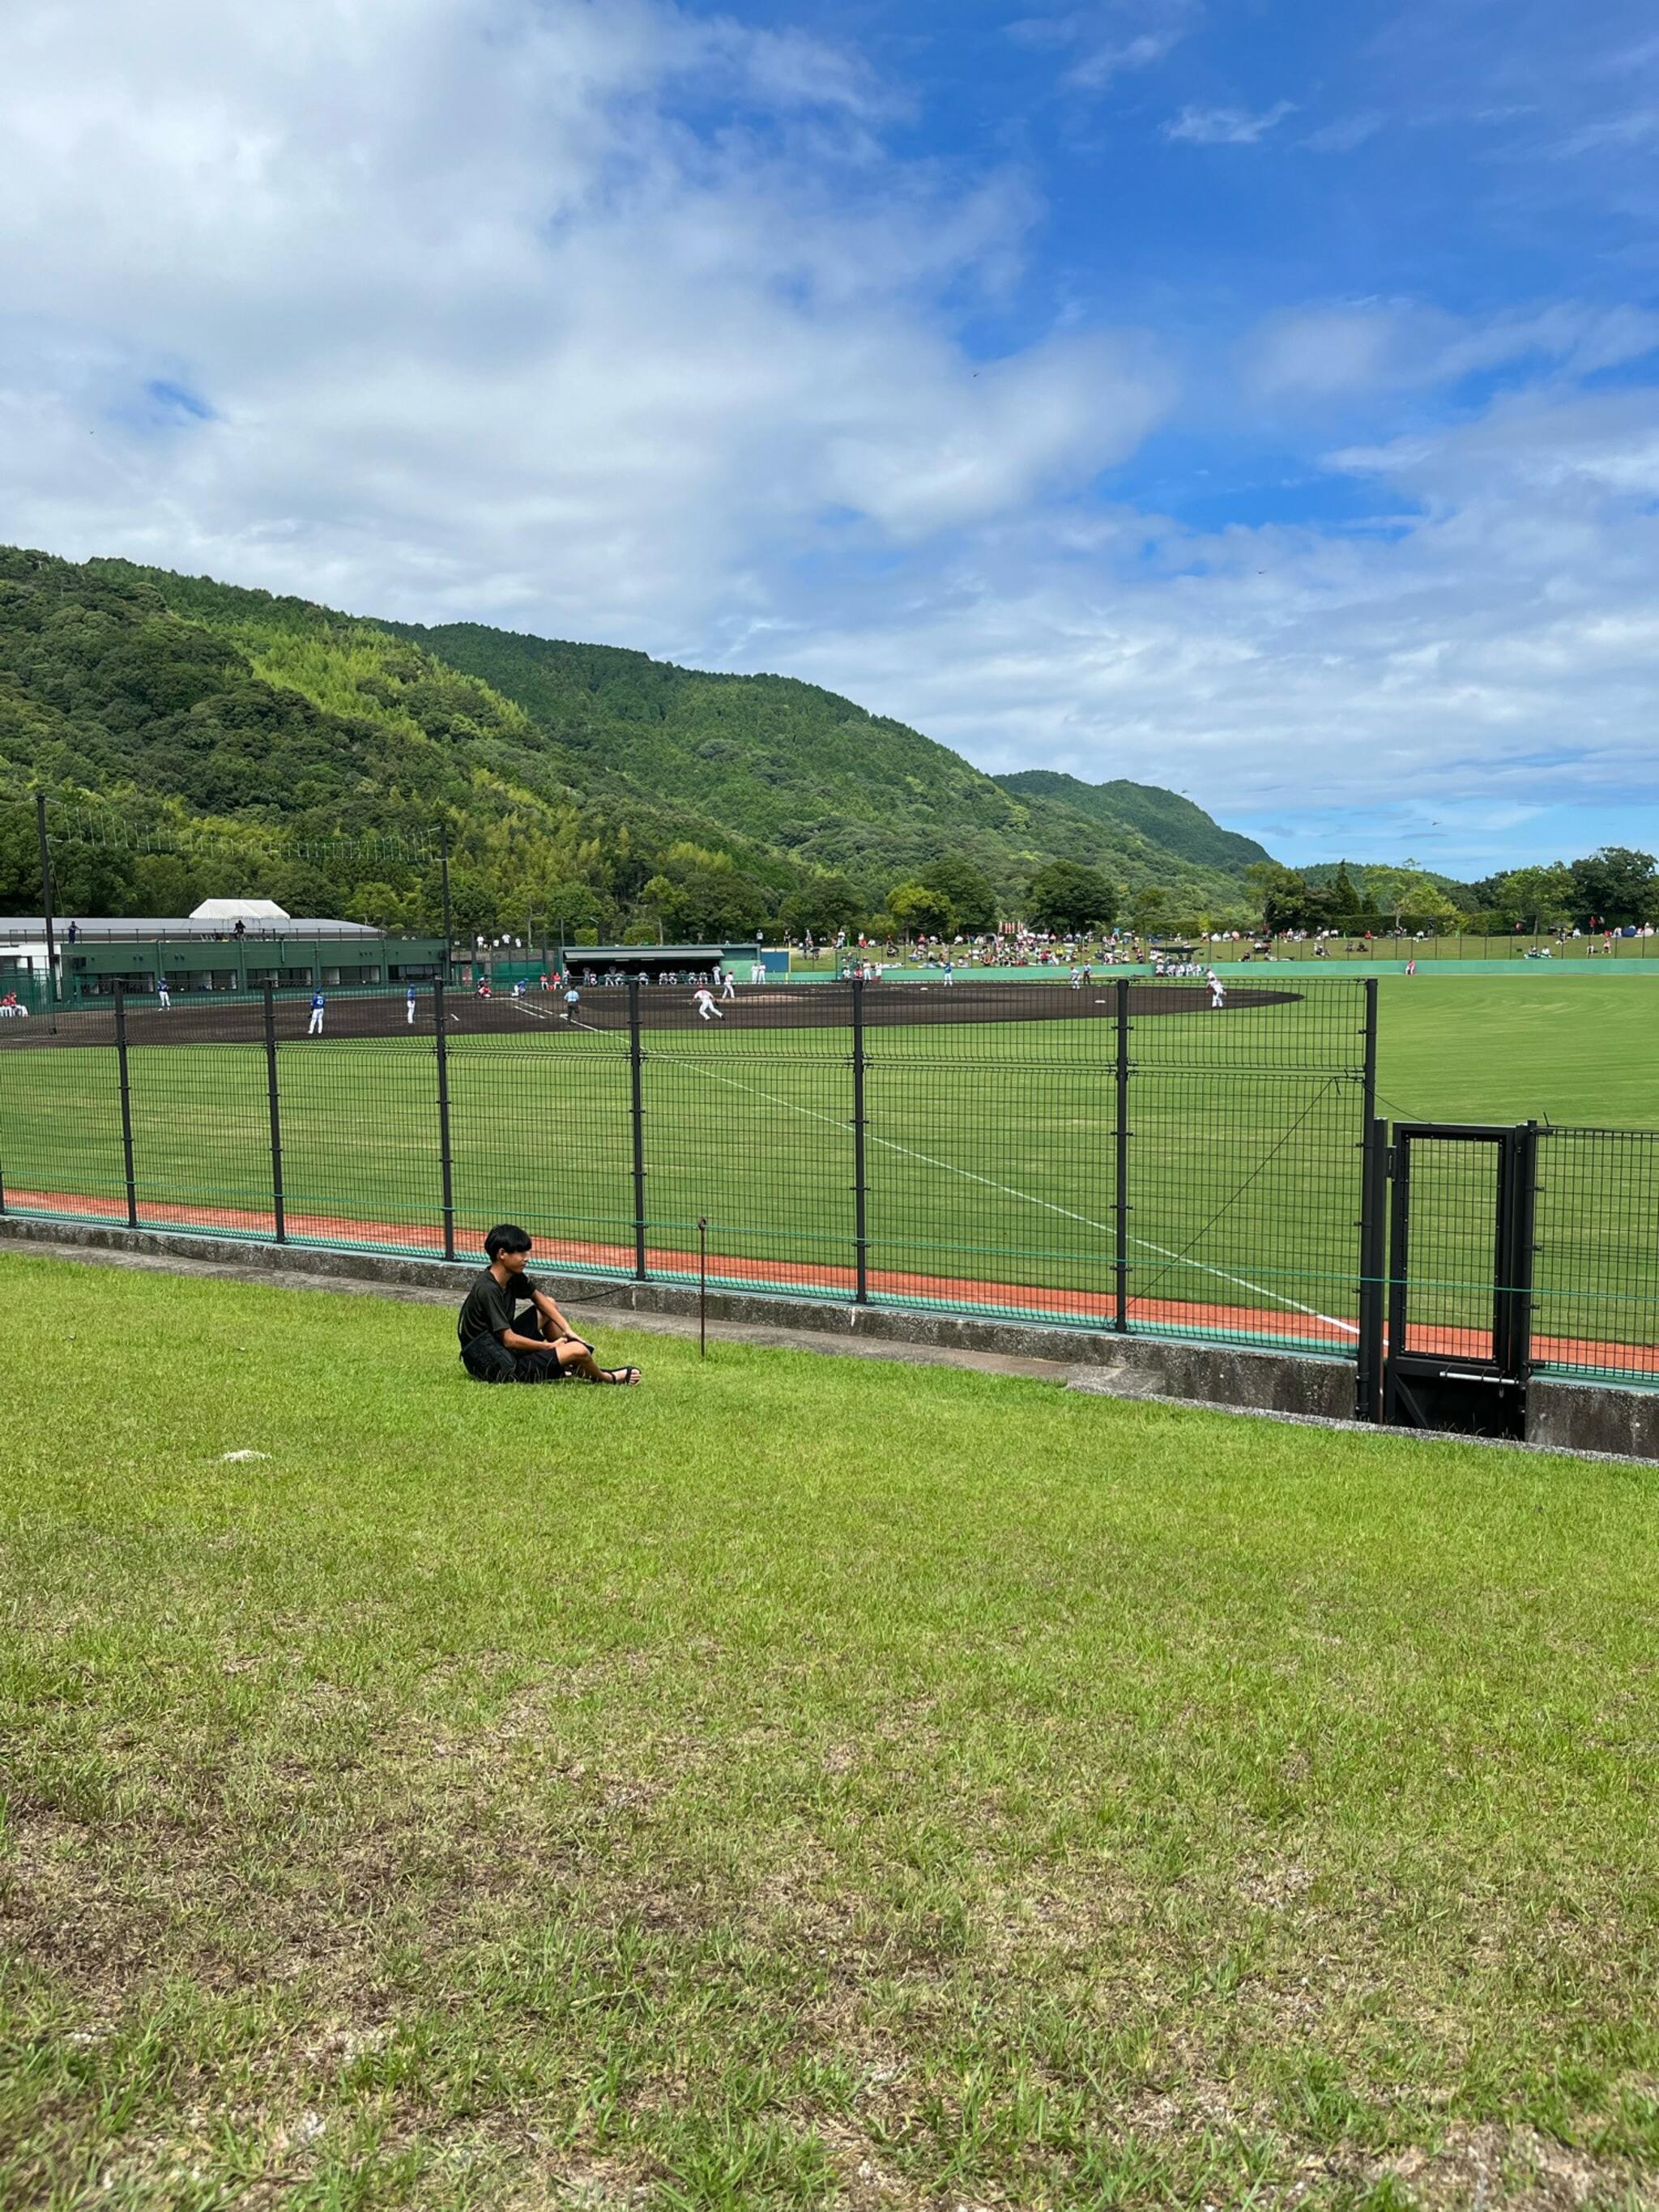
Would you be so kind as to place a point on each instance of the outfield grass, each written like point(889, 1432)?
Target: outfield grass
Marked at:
point(1583, 1049)
point(795, 1783)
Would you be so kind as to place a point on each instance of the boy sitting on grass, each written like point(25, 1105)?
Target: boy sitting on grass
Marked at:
point(500, 1344)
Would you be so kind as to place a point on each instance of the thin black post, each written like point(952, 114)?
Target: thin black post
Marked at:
point(861, 1181)
point(1512, 1317)
point(278, 1207)
point(126, 1105)
point(703, 1286)
point(46, 903)
point(446, 1164)
point(1373, 1225)
point(1121, 1209)
point(443, 863)
point(1373, 1271)
point(636, 1074)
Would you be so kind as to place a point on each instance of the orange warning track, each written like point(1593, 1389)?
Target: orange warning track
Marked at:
point(1176, 1317)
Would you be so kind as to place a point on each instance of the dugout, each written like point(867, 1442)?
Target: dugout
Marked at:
point(673, 966)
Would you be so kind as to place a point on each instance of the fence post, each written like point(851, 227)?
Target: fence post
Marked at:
point(636, 1108)
point(1120, 1207)
point(1372, 1227)
point(446, 1164)
point(860, 1183)
point(278, 1204)
point(126, 1106)
point(1373, 1271)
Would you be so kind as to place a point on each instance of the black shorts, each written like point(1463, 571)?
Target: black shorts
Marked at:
point(487, 1359)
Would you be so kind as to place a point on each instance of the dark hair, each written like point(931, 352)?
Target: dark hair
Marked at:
point(506, 1237)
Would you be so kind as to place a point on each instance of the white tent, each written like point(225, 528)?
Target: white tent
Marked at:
point(239, 911)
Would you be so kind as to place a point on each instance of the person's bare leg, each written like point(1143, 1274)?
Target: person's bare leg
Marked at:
point(577, 1359)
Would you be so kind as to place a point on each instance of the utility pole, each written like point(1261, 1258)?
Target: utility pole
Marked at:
point(443, 862)
point(45, 895)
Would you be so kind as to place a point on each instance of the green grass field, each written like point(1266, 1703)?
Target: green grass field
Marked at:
point(991, 1155)
point(794, 1782)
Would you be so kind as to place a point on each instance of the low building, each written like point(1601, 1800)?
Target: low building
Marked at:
point(664, 963)
point(215, 950)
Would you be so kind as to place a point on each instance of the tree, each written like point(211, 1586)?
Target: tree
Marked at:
point(1286, 897)
point(694, 903)
point(1342, 900)
point(1613, 886)
point(921, 912)
point(973, 902)
point(821, 909)
point(1151, 909)
point(571, 910)
point(1539, 897)
point(1065, 896)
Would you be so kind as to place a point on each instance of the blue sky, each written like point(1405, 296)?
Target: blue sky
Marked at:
point(1255, 397)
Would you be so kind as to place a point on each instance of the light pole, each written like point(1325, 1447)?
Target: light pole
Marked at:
point(45, 896)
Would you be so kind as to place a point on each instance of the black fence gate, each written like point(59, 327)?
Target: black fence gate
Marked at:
point(1460, 1276)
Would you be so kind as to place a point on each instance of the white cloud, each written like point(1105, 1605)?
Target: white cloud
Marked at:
point(1489, 647)
point(1345, 132)
point(1634, 128)
point(485, 323)
point(1110, 38)
point(1386, 345)
point(1227, 126)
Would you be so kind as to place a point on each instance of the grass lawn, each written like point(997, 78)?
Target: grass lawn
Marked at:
point(794, 1782)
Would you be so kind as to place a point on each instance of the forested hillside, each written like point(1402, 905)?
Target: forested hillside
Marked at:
point(1168, 820)
point(813, 773)
point(242, 735)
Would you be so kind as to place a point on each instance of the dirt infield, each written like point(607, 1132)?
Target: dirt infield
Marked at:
point(1307, 1332)
point(381, 1013)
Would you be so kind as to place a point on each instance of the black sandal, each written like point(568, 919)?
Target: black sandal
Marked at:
point(621, 1373)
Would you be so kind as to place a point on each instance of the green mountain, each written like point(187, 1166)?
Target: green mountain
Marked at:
point(819, 776)
point(1164, 817)
point(220, 739)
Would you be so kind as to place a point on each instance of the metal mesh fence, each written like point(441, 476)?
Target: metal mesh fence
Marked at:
point(1247, 1120)
point(1122, 1155)
point(1453, 1275)
point(60, 1120)
point(1595, 1280)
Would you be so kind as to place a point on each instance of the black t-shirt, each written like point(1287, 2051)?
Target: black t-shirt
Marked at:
point(490, 1306)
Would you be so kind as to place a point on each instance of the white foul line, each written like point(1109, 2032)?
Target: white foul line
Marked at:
point(1009, 1191)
